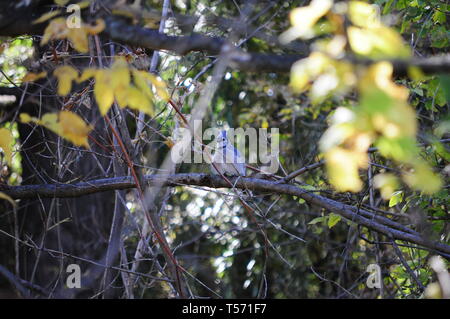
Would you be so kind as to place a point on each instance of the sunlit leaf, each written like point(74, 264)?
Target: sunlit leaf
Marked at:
point(8, 198)
point(98, 27)
point(61, 2)
point(332, 47)
point(317, 220)
point(139, 101)
point(144, 80)
point(342, 167)
point(387, 184)
point(423, 178)
point(380, 74)
point(120, 73)
point(387, 7)
point(381, 42)
point(46, 16)
point(402, 149)
point(84, 4)
point(103, 90)
point(439, 16)
point(120, 82)
point(25, 118)
point(396, 198)
point(141, 82)
point(87, 74)
point(65, 74)
point(74, 129)
point(31, 77)
point(363, 14)
point(79, 39)
point(56, 29)
point(6, 144)
point(65, 123)
point(50, 121)
point(304, 18)
point(333, 219)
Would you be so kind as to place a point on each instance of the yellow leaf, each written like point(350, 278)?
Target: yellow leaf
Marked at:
point(6, 144)
point(342, 167)
point(79, 39)
point(304, 18)
point(56, 29)
point(30, 77)
point(307, 16)
point(46, 16)
point(416, 74)
point(423, 179)
point(141, 82)
point(74, 129)
point(139, 101)
point(160, 86)
point(65, 123)
point(306, 70)
point(25, 118)
point(385, 102)
point(6, 197)
point(65, 74)
point(87, 74)
point(84, 4)
point(380, 74)
point(387, 183)
point(377, 43)
point(95, 29)
point(333, 47)
point(61, 2)
point(363, 14)
point(50, 121)
point(103, 90)
point(121, 95)
point(120, 74)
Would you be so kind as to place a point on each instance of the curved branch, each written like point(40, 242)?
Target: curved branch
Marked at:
point(356, 215)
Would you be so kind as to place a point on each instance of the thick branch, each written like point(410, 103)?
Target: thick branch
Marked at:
point(119, 30)
point(351, 213)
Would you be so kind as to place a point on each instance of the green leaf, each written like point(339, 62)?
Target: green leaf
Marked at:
point(445, 85)
point(387, 7)
point(396, 198)
point(437, 91)
point(333, 219)
point(439, 16)
point(317, 220)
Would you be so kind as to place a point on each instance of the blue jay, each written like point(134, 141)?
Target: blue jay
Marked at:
point(226, 158)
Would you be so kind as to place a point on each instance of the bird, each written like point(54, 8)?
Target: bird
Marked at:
point(227, 158)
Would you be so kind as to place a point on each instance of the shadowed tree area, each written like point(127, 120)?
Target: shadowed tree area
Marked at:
point(350, 98)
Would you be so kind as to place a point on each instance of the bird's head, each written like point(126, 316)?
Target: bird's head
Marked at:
point(222, 139)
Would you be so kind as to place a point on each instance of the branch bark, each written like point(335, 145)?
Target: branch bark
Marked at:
point(356, 215)
point(121, 30)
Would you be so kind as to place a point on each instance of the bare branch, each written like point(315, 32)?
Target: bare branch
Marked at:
point(351, 213)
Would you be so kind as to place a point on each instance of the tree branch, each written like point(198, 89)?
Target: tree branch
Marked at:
point(119, 30)
point(356, 215)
